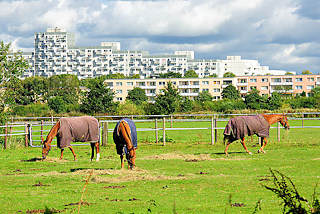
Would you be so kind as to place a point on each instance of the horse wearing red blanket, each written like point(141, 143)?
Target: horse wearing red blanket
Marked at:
point(241, 126)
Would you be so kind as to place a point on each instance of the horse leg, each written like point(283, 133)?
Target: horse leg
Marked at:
point(97, 151)
point(92, 150)
point(264, 141)
point(226, 149)
point(122, 164)
point(61, 156)
point(74, 154)
point(245, 147)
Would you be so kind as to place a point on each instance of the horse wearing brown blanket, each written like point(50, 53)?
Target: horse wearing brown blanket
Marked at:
point(75, 129)
point(241, 126)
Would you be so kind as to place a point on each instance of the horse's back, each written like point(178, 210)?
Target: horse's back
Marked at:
point(241, 126)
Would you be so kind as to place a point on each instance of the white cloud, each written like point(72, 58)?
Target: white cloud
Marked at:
point(271, 30)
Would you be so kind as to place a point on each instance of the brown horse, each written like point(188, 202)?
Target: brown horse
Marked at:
point(241, 126)
point(125, 138)
point(76, 129)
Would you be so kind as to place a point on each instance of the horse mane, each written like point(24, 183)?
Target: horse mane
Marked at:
point(273, 118)
point(52, 133)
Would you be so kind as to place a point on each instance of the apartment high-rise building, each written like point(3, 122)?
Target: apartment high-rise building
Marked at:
point(55, 53)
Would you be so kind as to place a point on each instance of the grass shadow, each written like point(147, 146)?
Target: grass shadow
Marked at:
point(32, 160)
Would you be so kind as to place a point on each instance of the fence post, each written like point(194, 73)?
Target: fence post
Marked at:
point(26, 137)
point(164, 131)
point(105, 134)
point(278, 131)
point(30, 133)
point(41, 131)
point(5, 135)
point(156, 129)
point(171, 123)
point(215, 130)
point(302, 121)
point(212, 131)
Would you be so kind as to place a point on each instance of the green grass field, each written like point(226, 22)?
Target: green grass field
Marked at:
point(187, 175)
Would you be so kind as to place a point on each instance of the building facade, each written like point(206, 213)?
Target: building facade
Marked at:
point(191, 87)
point(55, 53)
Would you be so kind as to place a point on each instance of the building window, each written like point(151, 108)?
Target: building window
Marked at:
point(119, 98)
point(129, 83)
point(119, 91)
point(118, 83)
point(216, 90)
point(205, 89)
point(243, 81)
point(253, 80)
point(310, 79)
point(216, 82)
point(310, 87)
point(264, 80)
point(264, 87)
point(299, 87)
point(253, 87)
point(205, 82)
point(276, 80)
point(299, 79)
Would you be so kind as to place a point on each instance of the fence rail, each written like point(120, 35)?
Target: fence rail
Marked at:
point(26, 127)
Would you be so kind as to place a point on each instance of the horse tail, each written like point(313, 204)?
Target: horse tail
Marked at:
point(124, 128)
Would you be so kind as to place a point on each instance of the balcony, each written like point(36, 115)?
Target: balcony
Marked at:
point(281, 91)
point(242, 84)
point(281, 83)
point(148, 87)
point(189, 86)
point(189, 94)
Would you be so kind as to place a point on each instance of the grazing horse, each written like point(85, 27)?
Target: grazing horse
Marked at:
point(125, 138)
point(241, 126)
point(76, 129)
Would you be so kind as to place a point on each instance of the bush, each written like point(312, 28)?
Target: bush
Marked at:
point(129, 108)
point(32, 110)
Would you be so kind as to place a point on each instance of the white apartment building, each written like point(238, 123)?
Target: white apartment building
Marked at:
point(55, 53)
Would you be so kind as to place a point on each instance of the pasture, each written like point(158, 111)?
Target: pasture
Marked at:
point(188, 175)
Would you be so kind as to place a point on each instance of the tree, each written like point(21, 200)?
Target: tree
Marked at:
point(230, 92)
point(137, 96)
point(168, 102)
point(203, 97)
point(253, 99)
point(306, 72)
point(57, 104)
point(170, 74)
point(11, 64)
point(191, 74)
point(229, 74)
point(185, 105)
point(98, 98)
point(66, 86)
point(274, 101)
point(115, 76)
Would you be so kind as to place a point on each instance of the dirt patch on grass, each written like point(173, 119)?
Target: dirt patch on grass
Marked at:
point(117, 176)
point(188, 157)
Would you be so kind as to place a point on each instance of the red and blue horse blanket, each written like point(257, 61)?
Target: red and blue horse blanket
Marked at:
point(239, 127)
point(119, 140)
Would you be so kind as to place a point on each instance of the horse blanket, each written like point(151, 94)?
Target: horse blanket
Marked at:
point(242, 126)
point(77, 129)
point(120, 142)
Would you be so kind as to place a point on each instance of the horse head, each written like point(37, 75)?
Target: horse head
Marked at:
point(131, 157)
point(45, 149)
point(284, 121)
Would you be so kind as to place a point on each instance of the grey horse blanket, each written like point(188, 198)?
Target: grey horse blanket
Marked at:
point(77, 129)
point(242, 126)
point(119, 141)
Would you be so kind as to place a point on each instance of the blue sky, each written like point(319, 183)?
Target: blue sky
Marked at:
point(281, 34)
